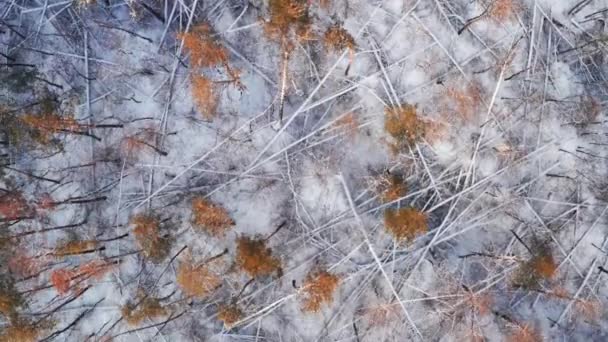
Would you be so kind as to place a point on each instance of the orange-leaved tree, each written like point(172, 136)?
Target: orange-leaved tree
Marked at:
point(318, 289)
point(205, 94)
point(75, 247)
point(14, 206)
point(288, 22)
point(10, 298)
point(337, 39)
point(541, 266)
point(391, 187)
point(253, 257)
point(210, 217)
point(145, 308)
point(198, 280)
point(204, 50)
point(524, 333)
point(147, 231)
point(24, 330)
point(403, 124)
point(229, 314)
point(405, 224)
point(66, 279)
point(207, 52)
point(131, 145)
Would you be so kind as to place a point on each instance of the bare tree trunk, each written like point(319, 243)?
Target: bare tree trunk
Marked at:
point(283, 90)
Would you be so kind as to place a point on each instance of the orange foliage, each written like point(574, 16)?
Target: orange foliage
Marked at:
point(229, 314)
point(13, 206)
point(525, 333)
point(95, 269)
point(46, 202)
point(318, 289)
point(589, 309)
point(501, 10)
point(7, 304)
point(391, 188)
point(544, 265)
point(403, 124)
point(210, 217)
point(288, 17)
point(21, 331)
point(10, 300)
point(197, 280)
point(540, 267)
point(405, 224)
point(148, 237)
point(255, 258)
point(24, 265)
point(48, 123)
point(467, 100)
point(75, 247)
point(337, 39)
point(205, 95)
point(204, 50)
point(131, 146)
point(62, 280)
point(149, 308)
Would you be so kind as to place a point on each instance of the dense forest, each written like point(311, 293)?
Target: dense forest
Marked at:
point(303, 170)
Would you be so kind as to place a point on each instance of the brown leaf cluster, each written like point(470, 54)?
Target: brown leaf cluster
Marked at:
point(75, 247)
point(318, 289)
point(229, 314)
point(588, 309)
point(64, 279)
point(148, 236)
point(288, 18)
point(336, 39)
point(24, 265)
point(205, 95)
point(48, 123)
point(21, 331)
point(541, 266)
point(501, 10)
point(544, 265)
point(391, 187)
point(13, 206)
point(132, 144)
point(525, 333)
point(204, 50)
point(467, 100)
point(148, 308)
point(405, 224)
point(207, 52)
point(210, 217)
point(255, 258)
point(10, 300)
point(403, 124)
point(197, 280)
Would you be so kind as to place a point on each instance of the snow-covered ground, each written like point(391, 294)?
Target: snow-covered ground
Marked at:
point(101, 237)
